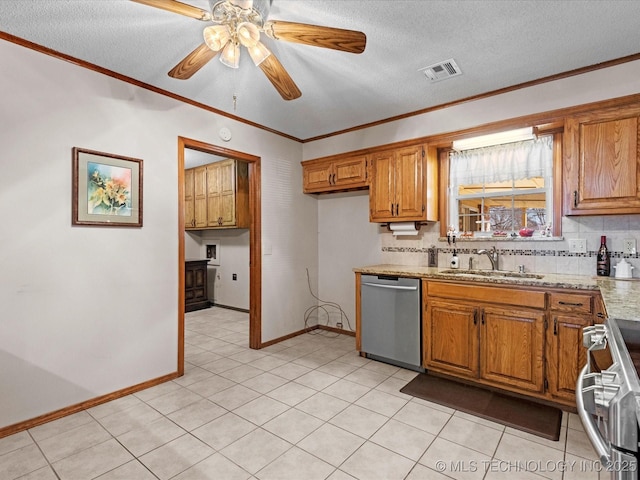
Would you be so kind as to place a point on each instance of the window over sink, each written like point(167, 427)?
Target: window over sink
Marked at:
point(504, 190)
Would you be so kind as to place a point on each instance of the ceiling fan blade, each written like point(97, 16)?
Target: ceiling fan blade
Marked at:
point(177, 7)
point(279, 77)
point(193, 62)
point(327, 37)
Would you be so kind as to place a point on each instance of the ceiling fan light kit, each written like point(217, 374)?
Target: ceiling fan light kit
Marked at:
point(216, 37)
point(241, 22)
point(231, 54)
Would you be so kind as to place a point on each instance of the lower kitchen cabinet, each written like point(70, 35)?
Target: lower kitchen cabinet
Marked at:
point(501, 346)
point(564, 359)
point(527, 341)
point(512, 347)
point(195, 285)
point(451, 338)
point(570, 313)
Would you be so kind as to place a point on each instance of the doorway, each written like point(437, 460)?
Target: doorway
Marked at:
point(255, 243)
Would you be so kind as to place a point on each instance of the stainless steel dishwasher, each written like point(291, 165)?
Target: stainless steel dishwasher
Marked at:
point(390, 320)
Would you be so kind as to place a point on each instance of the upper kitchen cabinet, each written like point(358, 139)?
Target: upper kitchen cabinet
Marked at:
point(602, 162)
point(335, 174)
point(189, 200)
point(195, 198)
point(228, 194)
point(404, 185)
point(218, 196)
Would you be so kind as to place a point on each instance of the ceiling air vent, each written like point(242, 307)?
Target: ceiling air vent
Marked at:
point(441, 70)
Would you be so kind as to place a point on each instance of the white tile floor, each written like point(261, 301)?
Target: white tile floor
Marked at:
point(306, 408)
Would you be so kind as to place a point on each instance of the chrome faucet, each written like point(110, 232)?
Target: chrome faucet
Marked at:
point(493, 257)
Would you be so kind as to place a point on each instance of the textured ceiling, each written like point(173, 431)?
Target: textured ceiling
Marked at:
point(496, 44)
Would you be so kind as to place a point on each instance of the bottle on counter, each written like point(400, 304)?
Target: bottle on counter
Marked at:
point(603, 268)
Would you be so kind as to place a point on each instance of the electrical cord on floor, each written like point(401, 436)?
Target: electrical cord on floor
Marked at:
point(323, 307)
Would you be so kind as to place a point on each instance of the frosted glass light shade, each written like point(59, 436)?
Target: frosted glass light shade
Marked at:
point(216, 36)
point(231, 55)
point(248, 34)
point(258, 53)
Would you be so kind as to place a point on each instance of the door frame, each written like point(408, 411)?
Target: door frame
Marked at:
point(255, 240)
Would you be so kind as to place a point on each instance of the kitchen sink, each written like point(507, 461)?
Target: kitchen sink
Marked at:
point(492, 273)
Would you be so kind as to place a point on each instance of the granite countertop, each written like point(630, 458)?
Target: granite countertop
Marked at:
point(621, 297)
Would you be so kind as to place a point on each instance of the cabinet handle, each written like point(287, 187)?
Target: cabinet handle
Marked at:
point(600, 315)
point(334, 178)
point(397, 209)
point(392, 209)
point(555, 326)
point(482, 318)
point(575, 199)
point(475, 317)
point(570, 304)
point(329, 179)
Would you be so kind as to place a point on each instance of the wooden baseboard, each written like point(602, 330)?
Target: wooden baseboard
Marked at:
point(244, 310)
point(336, 330)
point(306, 330)
point(287, 337)
point(63, 412)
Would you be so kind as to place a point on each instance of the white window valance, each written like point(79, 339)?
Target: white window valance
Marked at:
point(500, 163)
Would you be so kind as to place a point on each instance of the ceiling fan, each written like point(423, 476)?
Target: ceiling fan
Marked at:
point(239, 23)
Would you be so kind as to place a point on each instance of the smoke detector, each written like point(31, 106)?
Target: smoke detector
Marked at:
point(441, 70)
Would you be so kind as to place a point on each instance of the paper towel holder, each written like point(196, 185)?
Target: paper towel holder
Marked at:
point(416, 228)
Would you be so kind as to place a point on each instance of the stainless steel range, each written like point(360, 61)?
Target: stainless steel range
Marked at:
point(608, 395)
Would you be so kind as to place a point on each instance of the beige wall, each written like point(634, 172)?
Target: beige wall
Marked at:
point(87, 311)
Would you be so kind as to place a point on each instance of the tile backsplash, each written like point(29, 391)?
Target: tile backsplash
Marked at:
point(540, 256)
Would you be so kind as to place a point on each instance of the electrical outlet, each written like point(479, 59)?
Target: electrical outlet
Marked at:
point(339, 325)
point(234, 276)
point(630, 245)
point(577, 245)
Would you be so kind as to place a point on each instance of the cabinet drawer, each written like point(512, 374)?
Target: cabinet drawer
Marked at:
point(571, 302)
point(496, 295)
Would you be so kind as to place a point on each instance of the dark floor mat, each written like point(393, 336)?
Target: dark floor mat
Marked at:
point(525, 415)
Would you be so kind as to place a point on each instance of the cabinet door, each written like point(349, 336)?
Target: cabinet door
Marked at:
point(317, 177)
point(200, 196)
point(214, 195)
point(227, 205)
point(189, 199)
point(601, 164)
point(450, 338)
point(512, 348)
point(565, 354)
point(382, 201)
point(350, 172)
point(410, 184)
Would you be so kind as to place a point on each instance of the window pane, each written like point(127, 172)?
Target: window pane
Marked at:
point(503, 188)
point(504, 213)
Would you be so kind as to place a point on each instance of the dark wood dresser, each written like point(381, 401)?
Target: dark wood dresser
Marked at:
point(195, 285)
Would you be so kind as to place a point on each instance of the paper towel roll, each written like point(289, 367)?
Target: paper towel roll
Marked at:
point(404, 228)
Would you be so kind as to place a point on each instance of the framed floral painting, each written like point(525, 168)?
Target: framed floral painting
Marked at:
point(107, 189)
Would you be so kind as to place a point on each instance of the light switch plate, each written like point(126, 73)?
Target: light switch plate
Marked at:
point(577, 245)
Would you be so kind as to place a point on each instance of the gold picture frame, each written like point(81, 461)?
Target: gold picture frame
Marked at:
point(107, 189)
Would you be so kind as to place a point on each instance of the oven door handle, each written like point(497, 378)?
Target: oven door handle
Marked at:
point(599, 444)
